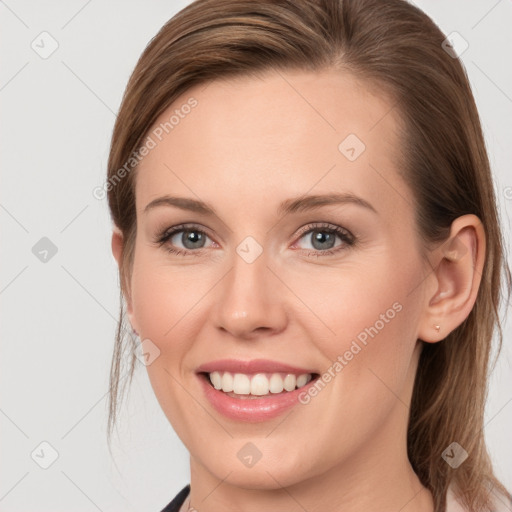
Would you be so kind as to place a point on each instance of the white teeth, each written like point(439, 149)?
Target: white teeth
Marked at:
point(227, 382)
point(290, 382)
point(302, 380)
point(276, 383)
point(216, 380)
point(259, 384)
point(241, 384)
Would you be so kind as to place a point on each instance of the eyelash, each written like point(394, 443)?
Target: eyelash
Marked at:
point(347, 238)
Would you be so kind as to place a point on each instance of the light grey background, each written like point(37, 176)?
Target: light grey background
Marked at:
point(59, 317)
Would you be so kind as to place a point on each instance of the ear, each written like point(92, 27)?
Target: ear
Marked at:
point(455, 279)
point(117, 244)
point(117, 251)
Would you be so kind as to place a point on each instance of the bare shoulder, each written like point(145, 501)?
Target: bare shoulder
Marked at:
point(501, 502)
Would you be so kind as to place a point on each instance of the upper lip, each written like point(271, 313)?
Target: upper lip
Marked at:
point(252, 366)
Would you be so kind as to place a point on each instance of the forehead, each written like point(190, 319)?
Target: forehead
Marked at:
point(283, 131)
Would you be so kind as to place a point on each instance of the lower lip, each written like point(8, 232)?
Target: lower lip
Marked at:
point(251, 409)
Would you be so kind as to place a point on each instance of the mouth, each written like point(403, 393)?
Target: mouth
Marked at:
point(257, 385)
point(255, 390)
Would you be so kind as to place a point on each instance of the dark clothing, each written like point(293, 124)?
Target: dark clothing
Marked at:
point(178, 500)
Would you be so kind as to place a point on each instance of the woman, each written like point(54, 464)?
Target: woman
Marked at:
point(310, 256)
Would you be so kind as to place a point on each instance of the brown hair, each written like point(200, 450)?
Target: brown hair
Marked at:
point(396, 47)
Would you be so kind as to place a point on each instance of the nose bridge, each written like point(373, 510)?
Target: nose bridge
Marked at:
point(248, 298)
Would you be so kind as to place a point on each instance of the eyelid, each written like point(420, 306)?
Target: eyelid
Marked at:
point(185, 226)
point(324, 225)
point(348, 239)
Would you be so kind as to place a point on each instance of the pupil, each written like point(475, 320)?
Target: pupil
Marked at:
point(192, 239)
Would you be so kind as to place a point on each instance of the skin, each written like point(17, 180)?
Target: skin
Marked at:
point(248, 145)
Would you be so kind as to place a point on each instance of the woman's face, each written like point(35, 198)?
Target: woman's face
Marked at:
point(297, 247)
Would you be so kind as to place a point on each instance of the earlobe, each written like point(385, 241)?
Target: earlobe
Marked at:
point(456, 277)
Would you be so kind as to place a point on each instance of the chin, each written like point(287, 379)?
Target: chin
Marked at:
point(277, 469)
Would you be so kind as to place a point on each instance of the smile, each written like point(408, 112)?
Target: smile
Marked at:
point(253, 391)
point(260, 384)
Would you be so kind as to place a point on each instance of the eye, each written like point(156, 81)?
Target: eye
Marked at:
point(325, 239)
point(183, 239)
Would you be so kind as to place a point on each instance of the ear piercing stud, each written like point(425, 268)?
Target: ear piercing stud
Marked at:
point(437, 327)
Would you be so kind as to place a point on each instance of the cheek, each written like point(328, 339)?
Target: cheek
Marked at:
point(370, 366)
point(165, 301)
point(363, 320)
point(165, 304)
point(365, 300)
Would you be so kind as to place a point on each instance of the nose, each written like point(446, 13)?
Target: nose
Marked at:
point(250, 300)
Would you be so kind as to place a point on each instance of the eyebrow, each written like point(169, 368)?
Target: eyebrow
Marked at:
point(294, 205)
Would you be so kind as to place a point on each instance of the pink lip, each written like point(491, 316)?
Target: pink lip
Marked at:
point(251, 409)
point(249, 367)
